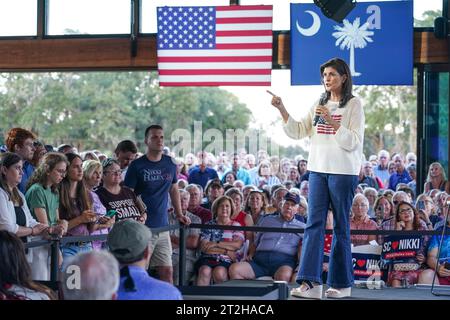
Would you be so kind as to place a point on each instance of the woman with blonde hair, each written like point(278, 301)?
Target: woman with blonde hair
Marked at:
point(92, 175)
point(436, 178)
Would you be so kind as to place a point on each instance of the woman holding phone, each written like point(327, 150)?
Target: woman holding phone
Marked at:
point(92, 175)
point(75, 206)
point(43, 199)
point(335, 124)
point(119, 198)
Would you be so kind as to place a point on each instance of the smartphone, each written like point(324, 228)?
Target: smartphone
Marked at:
point(111, 213)
point(420, 205)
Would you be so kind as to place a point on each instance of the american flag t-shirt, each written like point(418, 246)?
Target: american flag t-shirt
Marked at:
point(215, 46)
point(324, 128)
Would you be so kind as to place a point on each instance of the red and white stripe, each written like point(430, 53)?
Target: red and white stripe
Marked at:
point(326, 128)
point(242, 57)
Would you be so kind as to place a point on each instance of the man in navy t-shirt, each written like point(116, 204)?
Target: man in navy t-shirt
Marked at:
point(153, 177)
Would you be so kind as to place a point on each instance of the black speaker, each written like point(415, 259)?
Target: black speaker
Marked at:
point(440, 28)
point(335, 9)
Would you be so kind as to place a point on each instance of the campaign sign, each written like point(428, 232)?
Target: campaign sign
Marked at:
point(398, 248)
point(375, 39)
point(366, 265)
point(367, 262)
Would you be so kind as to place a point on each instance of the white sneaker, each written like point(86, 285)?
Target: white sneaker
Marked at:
point(304, 291)
point(338, 293)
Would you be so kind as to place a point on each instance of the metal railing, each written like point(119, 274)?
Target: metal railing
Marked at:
point(55, 243)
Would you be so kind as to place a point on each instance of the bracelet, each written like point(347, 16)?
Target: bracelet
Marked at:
point(31, 234)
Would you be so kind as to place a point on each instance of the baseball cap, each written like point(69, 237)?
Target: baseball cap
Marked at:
point(292, 197)
point(214, 183)
point(128, 239)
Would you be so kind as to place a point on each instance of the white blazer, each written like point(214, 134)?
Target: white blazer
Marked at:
point(8, 215)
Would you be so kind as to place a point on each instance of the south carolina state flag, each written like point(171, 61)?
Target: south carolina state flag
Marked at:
point(215, 46)
point(375, 39)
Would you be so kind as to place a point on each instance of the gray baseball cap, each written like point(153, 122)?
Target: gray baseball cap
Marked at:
point(128, 239)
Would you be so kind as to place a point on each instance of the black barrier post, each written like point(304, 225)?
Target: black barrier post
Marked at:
point(283, 290)
point(54, 260)
point(182, 256)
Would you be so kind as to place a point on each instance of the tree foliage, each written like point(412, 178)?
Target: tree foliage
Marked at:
point(391, 118)
point(97, 110)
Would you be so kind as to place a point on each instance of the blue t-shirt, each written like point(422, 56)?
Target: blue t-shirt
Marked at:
point(153, 180)
point(28, 170)
point(445, 250)
point(397, 178)
point(147, 288)
point(198, 177)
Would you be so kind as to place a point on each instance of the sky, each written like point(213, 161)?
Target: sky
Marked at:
point(66, 14)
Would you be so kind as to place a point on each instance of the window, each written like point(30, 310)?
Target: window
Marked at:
point(18, 18)
point(67, 17)
point(437, 117)
point(281, 11)
point(148, 15)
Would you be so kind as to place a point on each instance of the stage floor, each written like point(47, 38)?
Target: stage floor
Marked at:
point(260, 289)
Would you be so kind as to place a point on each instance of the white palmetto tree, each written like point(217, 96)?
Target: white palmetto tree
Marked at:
point(352, 36)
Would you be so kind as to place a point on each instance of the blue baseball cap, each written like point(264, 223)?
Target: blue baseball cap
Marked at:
point(292, 197)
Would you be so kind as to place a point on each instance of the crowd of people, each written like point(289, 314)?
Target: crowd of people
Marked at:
point(50, 192)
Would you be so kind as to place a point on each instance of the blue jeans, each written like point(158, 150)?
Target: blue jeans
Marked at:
point(336, 190)
point(70, 250)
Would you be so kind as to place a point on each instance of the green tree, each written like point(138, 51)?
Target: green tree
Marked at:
point(391, 118)
point(97, 110)
point(427, 19)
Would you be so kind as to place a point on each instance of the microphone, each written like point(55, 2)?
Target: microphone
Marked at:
point(322, 102)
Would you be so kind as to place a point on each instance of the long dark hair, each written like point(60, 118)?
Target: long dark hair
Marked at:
point(416, 219)
point(66, 210)
point(9, 159)
point(347, 87)
point(14, 268)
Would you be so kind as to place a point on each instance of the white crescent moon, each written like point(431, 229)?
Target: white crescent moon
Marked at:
point(308, 32)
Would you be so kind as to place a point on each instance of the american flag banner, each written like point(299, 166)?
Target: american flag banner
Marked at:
point(215, 46)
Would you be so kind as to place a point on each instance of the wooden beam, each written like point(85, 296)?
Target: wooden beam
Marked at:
point(428, 49)
point(76, 54)
point(90, 54)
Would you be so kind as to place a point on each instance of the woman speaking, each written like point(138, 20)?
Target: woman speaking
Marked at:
point(335, 124)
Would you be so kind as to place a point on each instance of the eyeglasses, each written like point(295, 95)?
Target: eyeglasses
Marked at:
point(114, 173)
point(61, 172)
point(363, 205)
